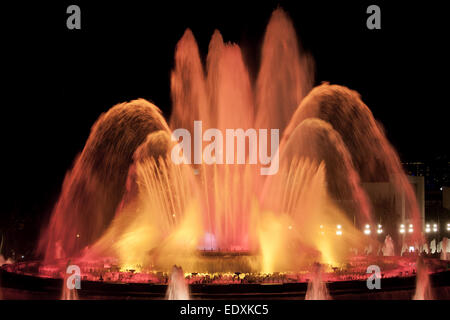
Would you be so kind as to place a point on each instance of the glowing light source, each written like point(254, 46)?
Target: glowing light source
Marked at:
point(435, 228)
point(448, 226)
point(380, 229)
point(290, 227)
point(339, 233)
point(411, 249)
point(78, 235)
point(411, 228)
point(367, 229)
point(402, 228)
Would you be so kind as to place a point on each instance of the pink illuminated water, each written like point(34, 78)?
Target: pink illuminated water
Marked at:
point(124, 198)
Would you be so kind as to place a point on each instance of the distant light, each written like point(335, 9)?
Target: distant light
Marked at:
point(411, 249)
point(441, 188)
point(427, 230)
point(428, 225)
point(78, 235)
point(410, 230)
point(290, 227)
point(410, 225)
point(367, 231)
point(339, 233)
point(402, 230)
point(435, 225)
point(339, 226)
point(402, 226)
point(23, 257)
point(321, 226)
point(367, 226)
point(380, 229)
point(173, 215)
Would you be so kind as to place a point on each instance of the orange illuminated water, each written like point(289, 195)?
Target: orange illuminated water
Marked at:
point(125, 199)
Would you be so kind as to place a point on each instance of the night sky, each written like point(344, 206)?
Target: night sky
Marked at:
point(59, 81)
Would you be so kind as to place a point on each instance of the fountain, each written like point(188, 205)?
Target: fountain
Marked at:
point(388, 247)
point(68, 294)
point(317, 288)
point(126, 202)
point(423, 285)
point(433, 246)
point(177, 288)
point(445, 250)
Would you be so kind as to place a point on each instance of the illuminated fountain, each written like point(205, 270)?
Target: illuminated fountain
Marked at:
point(68, 294)
point(317, 288)
point(127, 205)
point(423, 285)
point(177, 288)
point(388, 247)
